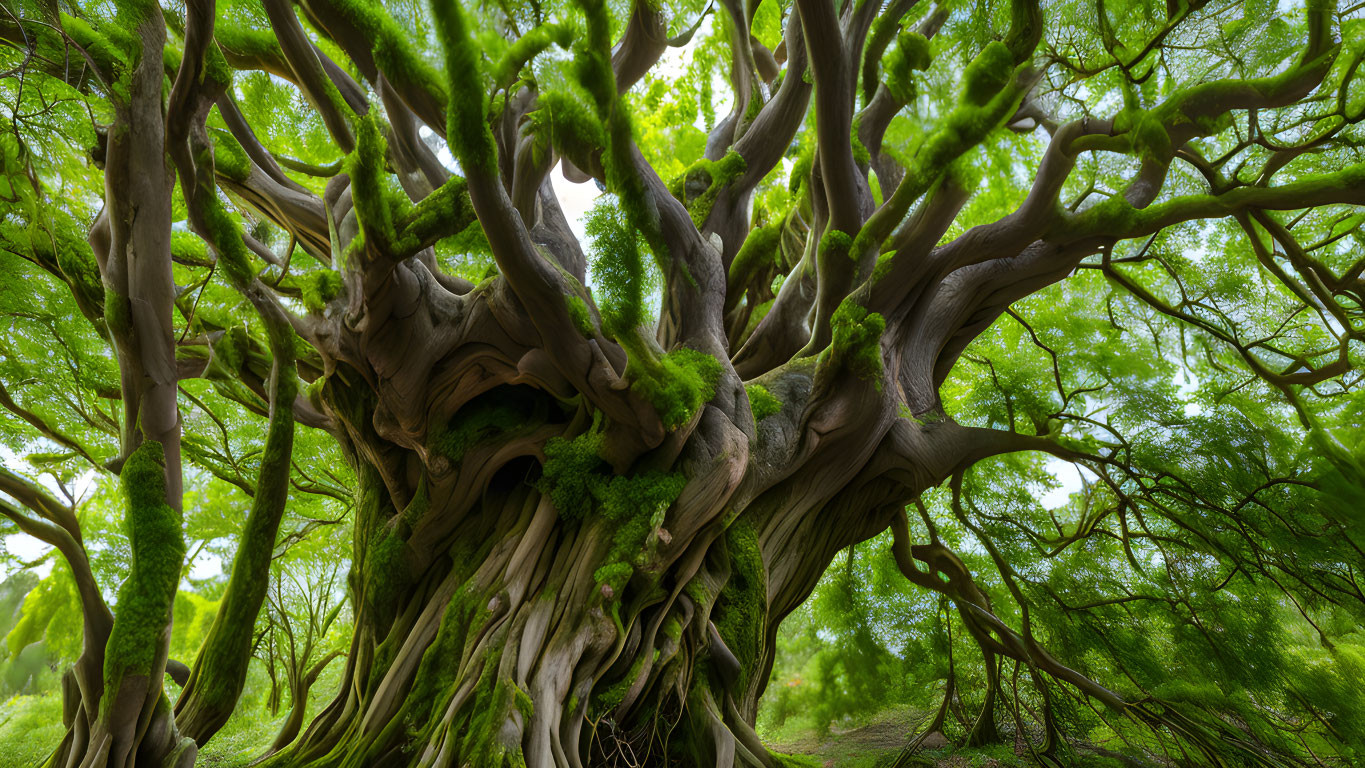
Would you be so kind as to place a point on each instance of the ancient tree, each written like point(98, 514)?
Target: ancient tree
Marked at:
point(592, 477)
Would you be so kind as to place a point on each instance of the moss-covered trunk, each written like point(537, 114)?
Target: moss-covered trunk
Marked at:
point(519, 649)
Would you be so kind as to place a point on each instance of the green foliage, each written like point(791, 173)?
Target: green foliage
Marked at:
point(50, 613)
point(621, 273)
point(30, 728)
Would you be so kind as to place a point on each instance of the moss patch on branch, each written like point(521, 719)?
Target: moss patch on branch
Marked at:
point(581, 487)
point(683, 381)
point(500, 412)
point(318, 288)
point(762, 402)
point(144, 604)
point(857, 340)
point(700, 185)
point(740, 611)
point(467, 123)
point(987, 74)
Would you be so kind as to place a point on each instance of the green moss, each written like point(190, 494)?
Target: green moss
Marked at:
point(702, 182)
point(760, 249)
point(494, 700)
point(224, 234)
point(836, 243)
point(157, 547)
point(229, 354)
point(527, 47)
point(740, 612)
point(572, 127)
point(915, 48)
point(909, 55)
point(1150, 139)
point(987, 74)
point(314, 391)
point(419, 504)
point(386, 573)
point(617, 255)
point(672, 628)
point(109, 52)
point(580, 486)
point(581, 317)
point(229, 158)
point(611, 697)
point(614, 575)
point(762, 402)
point(683, 381)
point(319, 288)
point(857, 339)
point(445, 213)
point(482, 419)
point(378, 203)
point(441, 660)
point(242, 42)
point(466, 125)
point(568, 475)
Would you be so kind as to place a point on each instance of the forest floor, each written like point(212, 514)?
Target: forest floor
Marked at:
point(876, 741)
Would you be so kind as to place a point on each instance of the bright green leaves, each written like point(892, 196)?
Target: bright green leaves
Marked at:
point(621, 275)
point(50, 613)
point(766, 26)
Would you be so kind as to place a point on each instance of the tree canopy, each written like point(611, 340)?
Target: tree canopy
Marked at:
point(773, 429)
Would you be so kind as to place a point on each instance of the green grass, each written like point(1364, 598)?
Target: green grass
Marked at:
point(30, 729)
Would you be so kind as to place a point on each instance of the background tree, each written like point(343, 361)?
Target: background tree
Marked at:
point(304, 603)
point(579, 521)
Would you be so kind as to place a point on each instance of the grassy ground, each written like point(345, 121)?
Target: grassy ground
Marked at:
point(877, 742)
point(30, 729)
